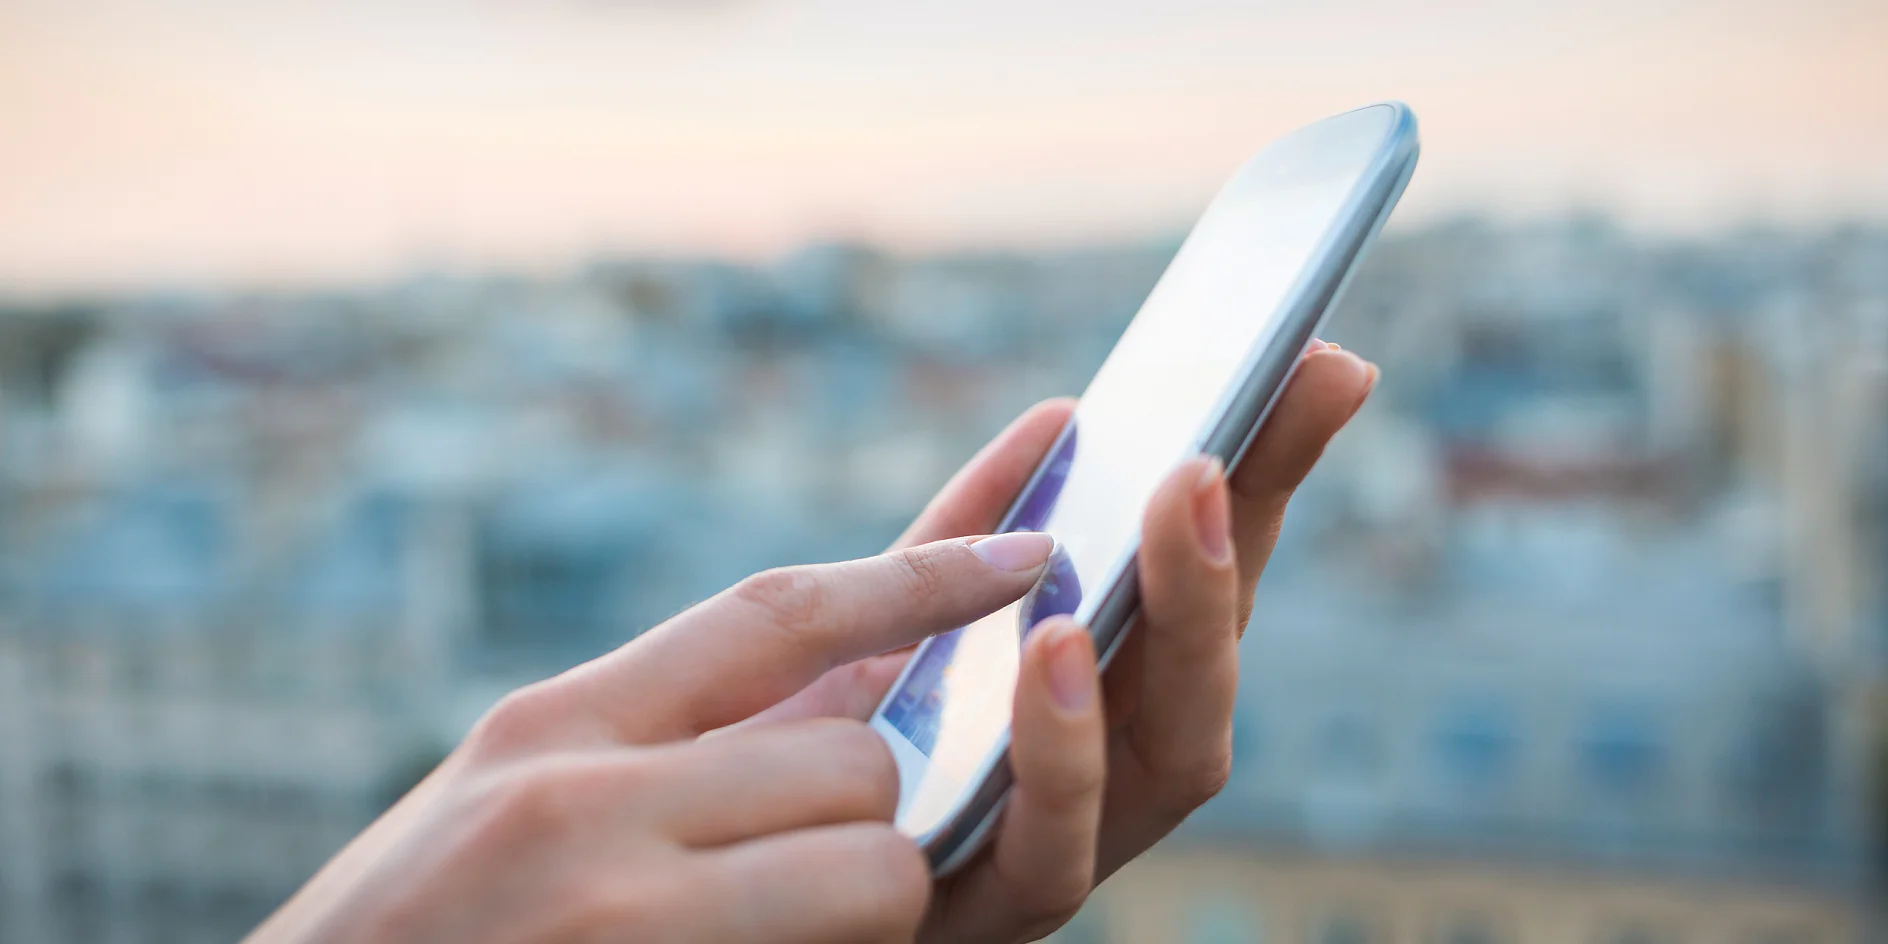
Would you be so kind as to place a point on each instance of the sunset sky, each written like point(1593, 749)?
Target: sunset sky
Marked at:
point(216, 142)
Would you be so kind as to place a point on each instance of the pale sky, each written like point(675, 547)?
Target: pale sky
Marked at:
point(211, 141)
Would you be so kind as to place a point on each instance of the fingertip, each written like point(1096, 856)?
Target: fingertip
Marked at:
point(1058, 408)
point(1015, 552)
point(1176, 493)
point(1039, 647)
point(1212, 516)
point(1188, 520)
point(1073, 680)
point(1328, 389)
point(1041, 422)
point(1330, 373)
point(1062, 673)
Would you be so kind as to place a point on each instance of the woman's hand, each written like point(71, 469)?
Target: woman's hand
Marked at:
point(1096, 787)
point(586, 807)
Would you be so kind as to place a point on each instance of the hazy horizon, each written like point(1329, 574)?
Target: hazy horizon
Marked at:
point(210, 142)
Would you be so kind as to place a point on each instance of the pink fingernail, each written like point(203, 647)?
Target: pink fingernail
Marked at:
point(1212, 517)
point(1016, 551)
point(1370, 384)
point(1072, 668)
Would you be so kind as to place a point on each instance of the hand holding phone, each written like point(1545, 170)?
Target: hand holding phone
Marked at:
point(1159, 743)
point(578, 803)
point(590, 807)
point(1196, 373)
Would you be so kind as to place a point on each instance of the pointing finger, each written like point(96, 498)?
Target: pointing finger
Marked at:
point(773, 633)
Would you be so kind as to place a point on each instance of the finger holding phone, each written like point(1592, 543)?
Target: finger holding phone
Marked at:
point(588, 807)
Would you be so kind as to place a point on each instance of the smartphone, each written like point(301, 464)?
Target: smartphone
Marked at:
point(1196, 371)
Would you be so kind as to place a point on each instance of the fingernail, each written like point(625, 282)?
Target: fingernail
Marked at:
point(1072, 668)
point(1370, 384)
point(1015, 551)
point(1316, 345)
point(1332, 345)
point(1212, 518)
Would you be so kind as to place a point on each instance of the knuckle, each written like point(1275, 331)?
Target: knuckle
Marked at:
point(922, 569)
point(1192, 785)
point(519, 805)
point(1053, 902)
point(1067, 784)
point(519, 721)
point(536, 803)
point(790, 597)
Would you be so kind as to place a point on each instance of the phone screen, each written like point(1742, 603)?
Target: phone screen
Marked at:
point(1148, 408)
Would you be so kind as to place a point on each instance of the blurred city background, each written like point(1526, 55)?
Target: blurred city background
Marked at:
point(361, 361)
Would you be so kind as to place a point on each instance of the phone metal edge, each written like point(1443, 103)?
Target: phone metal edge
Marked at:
point(1240, 417)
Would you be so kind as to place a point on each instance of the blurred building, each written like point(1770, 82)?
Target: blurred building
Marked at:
point(1579, 633)
point(1205, 897)
point(220, 656)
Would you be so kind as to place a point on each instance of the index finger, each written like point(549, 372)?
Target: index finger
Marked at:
point(972, 502)
point(775, 632)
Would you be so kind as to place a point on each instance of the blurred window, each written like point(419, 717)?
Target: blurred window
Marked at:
point(1774, 771)
point(134, 660)
point(1622, 751)
point(68, 792)
point(69, 781)
point(1224, 921)
point(1477, 743)
point(78, 901)
point(161, 901)
point(1349, 746)
point(536, 590)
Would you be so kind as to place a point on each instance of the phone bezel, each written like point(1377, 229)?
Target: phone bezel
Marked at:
point(1240, 414)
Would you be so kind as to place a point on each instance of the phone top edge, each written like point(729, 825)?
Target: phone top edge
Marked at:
point(1234, 421)
point(1343, 251)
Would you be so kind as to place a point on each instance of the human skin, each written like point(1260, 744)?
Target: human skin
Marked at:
point(591, 806)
